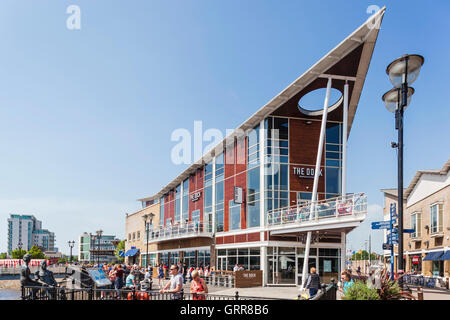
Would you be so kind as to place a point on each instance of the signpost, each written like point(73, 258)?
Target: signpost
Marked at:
point(392, 237)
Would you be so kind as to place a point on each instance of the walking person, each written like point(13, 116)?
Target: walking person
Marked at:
point(175, 284)
point(118, 282)
point(198, 287)
point(160, 274)
point(313, 282)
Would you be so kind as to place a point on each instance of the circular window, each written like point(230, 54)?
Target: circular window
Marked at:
point(311, 103)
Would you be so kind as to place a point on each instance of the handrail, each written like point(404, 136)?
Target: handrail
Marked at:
point(348, 205)
point(192, 228)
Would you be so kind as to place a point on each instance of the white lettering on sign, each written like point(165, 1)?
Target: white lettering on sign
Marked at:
point(306, 172)
point(196, 196)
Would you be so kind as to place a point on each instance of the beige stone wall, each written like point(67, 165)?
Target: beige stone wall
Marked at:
point(134, 225)
point(428, 241)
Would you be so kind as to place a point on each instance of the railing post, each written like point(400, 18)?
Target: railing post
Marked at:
point(236, 296)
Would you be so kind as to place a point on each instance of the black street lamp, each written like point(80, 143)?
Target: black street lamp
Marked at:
point(402, 72)
point(19, 245)
point(99, 235)
point(147, 227)
point(71, 245)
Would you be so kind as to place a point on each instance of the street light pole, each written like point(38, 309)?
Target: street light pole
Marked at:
point(71, 245)
point(19, 245)
point(99, 235)
point(402, 72)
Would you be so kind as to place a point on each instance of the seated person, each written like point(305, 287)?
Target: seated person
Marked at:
point(130, 281)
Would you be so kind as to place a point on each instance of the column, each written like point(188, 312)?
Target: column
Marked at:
point(264, 266)
point(262, 161)
point(343, 251)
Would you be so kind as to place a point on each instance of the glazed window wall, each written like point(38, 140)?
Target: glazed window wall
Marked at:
point(253, 172)
point(333, 159)
point(161, 211)
point(220, 192)
point(177, 203)
point(185, 199)
point(234, 215)
point(207, 195)
point(276, 171)
point(249, 258)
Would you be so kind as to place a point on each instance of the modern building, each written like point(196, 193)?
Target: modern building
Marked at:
point(248, 199)
point(427, 203)
point(135, 232)
point(27, 231)
point(93, 248)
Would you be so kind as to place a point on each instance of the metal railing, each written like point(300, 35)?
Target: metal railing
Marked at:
point(61, 293)
point(349, 205)
point(423, 281)
point(326, 292)
point(190, 229)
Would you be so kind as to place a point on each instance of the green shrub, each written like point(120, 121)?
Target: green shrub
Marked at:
point(360, 291)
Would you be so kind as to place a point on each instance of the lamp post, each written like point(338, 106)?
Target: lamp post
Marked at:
point(402, 72)
point(145, 217)
point(19, 245)
point(71, 245)
point(99, 235)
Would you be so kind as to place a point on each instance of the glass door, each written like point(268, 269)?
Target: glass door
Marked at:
point(312, 262)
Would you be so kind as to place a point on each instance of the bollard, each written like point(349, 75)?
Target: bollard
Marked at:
point(419, 293)
point(236, 296)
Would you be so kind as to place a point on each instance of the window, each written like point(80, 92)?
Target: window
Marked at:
point(219, 193)
point(134, 235)
point(138, 235)
point(235, 215)
point(185, 200)
point(177, 203)
point(416, 224)
point(161, 211)
point(437, 213)
point(196, 216)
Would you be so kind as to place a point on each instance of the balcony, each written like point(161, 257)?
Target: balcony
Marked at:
point(191, 229)
point(344, 213)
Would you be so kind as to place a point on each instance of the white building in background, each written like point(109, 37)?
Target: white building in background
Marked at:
point(27, 230)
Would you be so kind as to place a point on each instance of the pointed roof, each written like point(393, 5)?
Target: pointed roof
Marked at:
point(349, 60)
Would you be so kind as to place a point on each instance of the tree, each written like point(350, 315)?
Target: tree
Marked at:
point(18, 254)
point(3, 255)
point(364, 255)
point(120, 247)
point(36, 253)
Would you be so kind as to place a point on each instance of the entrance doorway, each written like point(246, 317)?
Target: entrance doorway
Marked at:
point(312, 262)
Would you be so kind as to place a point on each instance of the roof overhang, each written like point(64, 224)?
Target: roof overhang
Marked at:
point(365, 36)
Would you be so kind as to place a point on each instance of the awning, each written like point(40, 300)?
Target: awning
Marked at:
point(446, 255)
point(433, 256)
point(131, 252)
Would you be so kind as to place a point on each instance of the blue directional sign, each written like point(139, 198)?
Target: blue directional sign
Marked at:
point(381, 225)
point(409, 230)
point(394, 209)
point(387, 246)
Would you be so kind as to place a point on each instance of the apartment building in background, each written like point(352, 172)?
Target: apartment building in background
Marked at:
point(27, 231)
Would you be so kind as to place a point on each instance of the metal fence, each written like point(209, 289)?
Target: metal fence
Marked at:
point(326, 292)
point(422, 281)
point(349, 205)
point(61, 293)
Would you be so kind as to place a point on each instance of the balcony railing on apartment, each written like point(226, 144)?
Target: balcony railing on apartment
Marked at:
point(186, 230)
point(351, 205)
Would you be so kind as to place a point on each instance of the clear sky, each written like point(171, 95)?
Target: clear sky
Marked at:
point(86, 115)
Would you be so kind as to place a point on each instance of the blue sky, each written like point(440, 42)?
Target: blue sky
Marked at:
point(86, 115)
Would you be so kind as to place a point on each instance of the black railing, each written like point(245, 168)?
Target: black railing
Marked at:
point(326, 292)
point(61, 293)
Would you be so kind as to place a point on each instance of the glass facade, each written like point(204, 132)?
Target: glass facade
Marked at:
point(220, 192)
point(333, 159)
point(253, 181)
point(249, 258)
point(161, 211)
point(207, 195)
point(178, 203)
point(276, 171)
point(185, 201)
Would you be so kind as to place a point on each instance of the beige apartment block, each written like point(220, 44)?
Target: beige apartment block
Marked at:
point(135, 233)
point(428, 213)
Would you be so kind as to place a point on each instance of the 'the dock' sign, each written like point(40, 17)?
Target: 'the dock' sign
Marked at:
point(306, 172)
